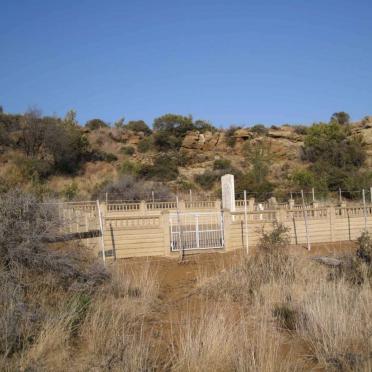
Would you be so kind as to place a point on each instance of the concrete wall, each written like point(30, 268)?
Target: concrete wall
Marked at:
point(141, 230)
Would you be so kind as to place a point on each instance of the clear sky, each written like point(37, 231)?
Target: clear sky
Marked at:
point(229, 62)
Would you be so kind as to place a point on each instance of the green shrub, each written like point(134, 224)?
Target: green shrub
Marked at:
point(204, 126)
point(163, 169)
point(183, 158)
point(230, 135)
point(275, 240)
point(301, 129)
point(109, 157)
point(259, 129)
point(129, 168)
point(221, 164)
point(95, 124)
point(34, 168)
point(364, 251)
point(342, 118)
point(145, 145)
point(305, 179)
point(207, 179)
point(165, 141)
point(128, 150)
point(70, 191)
point(138, 126)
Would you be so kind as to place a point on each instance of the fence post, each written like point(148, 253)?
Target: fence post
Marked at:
point(370, 194)
point(332, 215)
point(251, 205)
point(227, 227)
point(305, 219)
point(218, 205)
point(102, 236)
point(143, 206)
point(364, 209)
point(166, 232)
point(313, 194)
point(246, 222)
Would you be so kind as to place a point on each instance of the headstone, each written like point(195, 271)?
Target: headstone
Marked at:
point(228, 192)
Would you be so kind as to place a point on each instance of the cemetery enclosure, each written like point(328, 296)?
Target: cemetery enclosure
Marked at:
point(160, 229)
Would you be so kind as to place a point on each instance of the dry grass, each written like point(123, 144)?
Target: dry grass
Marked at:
point(272, 311)
point(295, 316)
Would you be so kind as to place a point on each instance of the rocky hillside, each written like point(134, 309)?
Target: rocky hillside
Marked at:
point(197, 162)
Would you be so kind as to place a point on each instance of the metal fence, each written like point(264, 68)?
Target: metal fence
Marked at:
point(190, 231)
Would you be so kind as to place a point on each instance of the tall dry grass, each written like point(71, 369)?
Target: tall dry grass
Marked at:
point(114, 333)
point(281, 312)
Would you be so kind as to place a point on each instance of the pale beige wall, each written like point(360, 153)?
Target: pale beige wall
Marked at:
point(146, 233)
point(134, 236)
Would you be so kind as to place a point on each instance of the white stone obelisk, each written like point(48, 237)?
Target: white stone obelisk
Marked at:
point(228, 192)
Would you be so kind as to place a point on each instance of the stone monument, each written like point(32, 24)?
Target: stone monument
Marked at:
point(228, 192)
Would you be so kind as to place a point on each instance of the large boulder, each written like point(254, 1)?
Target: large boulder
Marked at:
point(207, 141)
point(285, 133)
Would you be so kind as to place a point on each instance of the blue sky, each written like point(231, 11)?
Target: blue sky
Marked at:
point(229, 62)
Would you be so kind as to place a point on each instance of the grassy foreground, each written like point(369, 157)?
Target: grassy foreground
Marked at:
point(275, 310)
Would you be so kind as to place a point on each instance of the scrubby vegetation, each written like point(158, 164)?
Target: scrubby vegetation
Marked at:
point(275, 309)
point(60, 307)
point(45, 154)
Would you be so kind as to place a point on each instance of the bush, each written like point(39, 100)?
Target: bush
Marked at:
point(305, 179)
point(207, 179)
point(221, 164)
point(301, 129)
point(130, 168)
point(128, 150)
point(110, 157)
point(145, 145)
point(164, 168)
point(165, 141)
point(70, 191)
point(229, 135)
point(204, 126)
point(259, 129)
point(331, 143)
point(275, 240)
point(138, 126)
point(131, 188)
point(95, 124)
point(32, 169)
point(342, 118)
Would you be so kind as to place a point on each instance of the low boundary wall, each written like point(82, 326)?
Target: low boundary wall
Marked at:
point(142, 229)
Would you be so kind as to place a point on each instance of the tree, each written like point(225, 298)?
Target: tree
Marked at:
point(119, 124)
point(177, 125)
point(259, 156)
point(33, 132)
point(334, 145)
point(95, 124)
point(1, 109)
point(70, 117)
point(138, 126)
point(259, 129)
point(342, 118)
point(204, 126)
point(336, 155)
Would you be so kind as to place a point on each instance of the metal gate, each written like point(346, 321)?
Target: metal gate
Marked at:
point(190, 231)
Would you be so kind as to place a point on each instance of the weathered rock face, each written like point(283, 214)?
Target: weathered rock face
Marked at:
point(203, 141)
point(286, 134)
